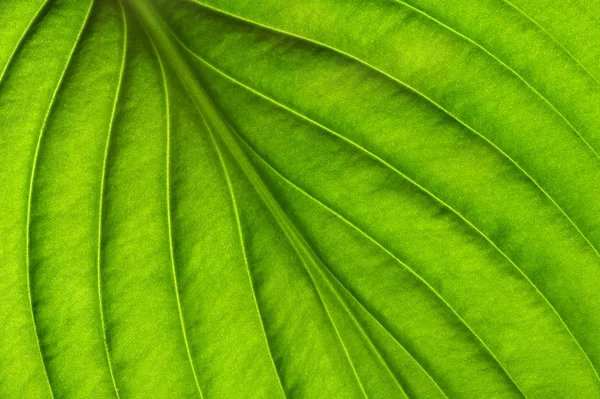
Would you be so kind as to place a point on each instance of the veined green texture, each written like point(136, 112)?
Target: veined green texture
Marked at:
point(299, 199)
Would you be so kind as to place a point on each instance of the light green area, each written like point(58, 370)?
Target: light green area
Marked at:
point(301, 199)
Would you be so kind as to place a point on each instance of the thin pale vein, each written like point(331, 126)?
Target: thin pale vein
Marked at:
point(380, 160)
point(277, 213)
point(101, 201)
point(22, 39)
point(378, 244)
point(370, 238)
point(292, 237)
point(31, 184)
point(299, 251)
point(554, 39)
point(420, 187)
point(514, 72)
point(169, 218)
point(316, 260)
point(406, 85)
point(245, 256)
point(319, 262)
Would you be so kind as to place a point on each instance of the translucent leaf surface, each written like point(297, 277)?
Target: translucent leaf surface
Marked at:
point(301, 199)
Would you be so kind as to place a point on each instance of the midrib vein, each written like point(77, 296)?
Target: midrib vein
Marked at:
point(214, 122)
point(305, 253)
point(374, 241)
point(314, 265)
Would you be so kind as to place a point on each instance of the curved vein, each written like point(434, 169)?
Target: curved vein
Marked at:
point(370, 154)
point(277, 213)
point(388, 253)
point(101, 200)
point(22, 39)
point(245, 256)
point(317, 261)
point(514, 72)
point(292, 238)
point(370, 238)
point(403, 84)
point(169, 221)
point(31, 184)
point(555, 40)
point(200, 98)
point(366, 335)
point(414, 183)
point(587, 9)
point(326, 309)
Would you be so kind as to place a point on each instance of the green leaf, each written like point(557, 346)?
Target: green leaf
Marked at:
point(301, 199)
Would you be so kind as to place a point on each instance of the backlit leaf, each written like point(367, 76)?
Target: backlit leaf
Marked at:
point(301, 199)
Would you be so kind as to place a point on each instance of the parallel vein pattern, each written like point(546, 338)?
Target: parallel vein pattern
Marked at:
point(300, 199)
point(392, 168)
point(31, 185)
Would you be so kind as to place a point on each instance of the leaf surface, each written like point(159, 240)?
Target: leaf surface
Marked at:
point(301, 199)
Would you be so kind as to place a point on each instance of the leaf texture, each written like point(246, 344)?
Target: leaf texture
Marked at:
point(299, 199)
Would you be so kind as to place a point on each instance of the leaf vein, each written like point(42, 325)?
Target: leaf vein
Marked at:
point(375, 157)
point(21, 40)
point(514, 72)
point(379, 159)
point(392, 78)
point(554, 39)
point(169, 218)
point(31, 186)
point(102, 199)
point(362, 232)
point(292, 236)
point(245, 256)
